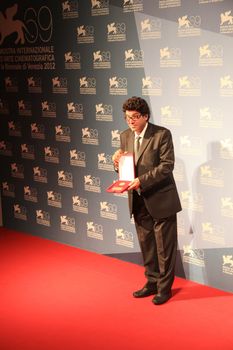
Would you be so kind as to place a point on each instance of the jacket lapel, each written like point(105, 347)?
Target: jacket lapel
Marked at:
point(131, 142)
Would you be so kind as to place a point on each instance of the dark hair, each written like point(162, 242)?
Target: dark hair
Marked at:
point(138, 104)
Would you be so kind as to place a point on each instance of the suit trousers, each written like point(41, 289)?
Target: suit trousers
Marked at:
point(158, 242)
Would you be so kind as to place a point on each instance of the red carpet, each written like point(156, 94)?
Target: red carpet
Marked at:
point(58, 297)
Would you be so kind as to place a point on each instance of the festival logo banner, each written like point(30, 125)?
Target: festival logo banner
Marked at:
point(42, 217)
point(65, 178)
point(30, 194)
point(95, 230)
point(118, 86)
point(80, 204)
point(193, 256)
point(6, 148)
point(115, 138)
point(211, 117)
point(105, 162)
point(170, 57)
point(67, 224)
point(27, 151)
point(75, 110)
point(211, 55)
point(171, 115)
point(54, 199)
point(48, 109)
point(92, 183)
point(51, 154)
point(108, 210)
point(14, 128)
point(226, 22)
point(72, 60)
point(189, 26)
point(116, 31)
point(40, 174)
point(152, 86)
point(70, 9)
point(17, 170)
point(132, 6)
point(99, 7)
point(192, 201)
point(20, 212)
point(124, 237)
point(104, 112)
point(211, 176)
point(90, 136)
point(8, 189)
point(24, 108)
point(77, 158)
point(212, 232)
point(150, 28)
point(101, 59)
point(85, 34)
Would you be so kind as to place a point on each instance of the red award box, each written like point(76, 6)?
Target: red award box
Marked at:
point(126, 174)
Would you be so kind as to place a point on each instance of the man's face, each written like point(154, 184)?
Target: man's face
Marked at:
point(136, 121)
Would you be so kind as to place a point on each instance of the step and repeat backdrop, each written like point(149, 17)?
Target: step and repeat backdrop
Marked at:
point(66, 69)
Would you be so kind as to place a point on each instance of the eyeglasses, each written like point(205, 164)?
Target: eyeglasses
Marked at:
point(135, 116)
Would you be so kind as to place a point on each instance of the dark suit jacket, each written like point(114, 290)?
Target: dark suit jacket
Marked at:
point(154, 170)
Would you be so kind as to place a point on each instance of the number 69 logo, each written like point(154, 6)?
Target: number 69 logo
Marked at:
point(39, 24)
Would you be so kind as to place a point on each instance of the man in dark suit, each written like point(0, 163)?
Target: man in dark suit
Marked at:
point(153, 197)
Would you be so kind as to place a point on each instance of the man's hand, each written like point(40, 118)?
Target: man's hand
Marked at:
point(134, 185)
point(116, 157)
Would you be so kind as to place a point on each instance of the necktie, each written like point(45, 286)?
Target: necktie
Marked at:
point(137, 147)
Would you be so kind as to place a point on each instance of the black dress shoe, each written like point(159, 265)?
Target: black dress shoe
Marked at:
point(146, 291)
point(161, 298)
